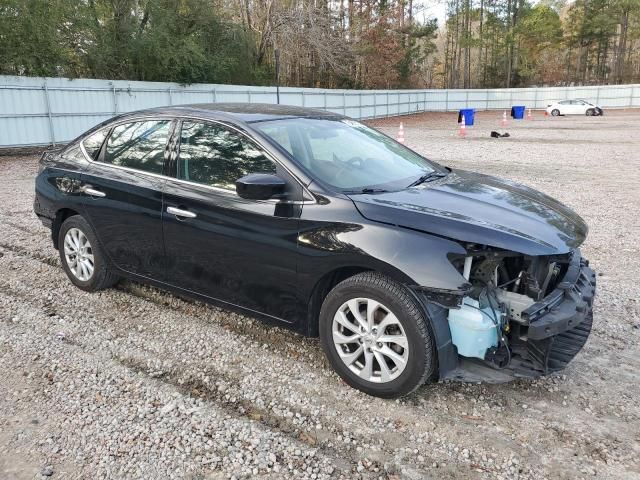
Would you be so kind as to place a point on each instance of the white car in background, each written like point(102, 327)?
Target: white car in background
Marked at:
point(574, 107)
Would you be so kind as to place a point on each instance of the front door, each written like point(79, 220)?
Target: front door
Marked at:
point(217, 244)
point(123, 195)
point(575, 107)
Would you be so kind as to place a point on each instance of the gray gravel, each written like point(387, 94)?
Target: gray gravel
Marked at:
point(133, 382)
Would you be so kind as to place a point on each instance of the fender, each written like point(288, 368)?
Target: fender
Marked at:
point(414, 258)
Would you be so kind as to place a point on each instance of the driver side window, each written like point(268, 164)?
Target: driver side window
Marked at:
point(217, 156)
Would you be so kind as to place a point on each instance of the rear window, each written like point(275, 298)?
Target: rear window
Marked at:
point(74, 155)
point(93, 143)
point(138, 145)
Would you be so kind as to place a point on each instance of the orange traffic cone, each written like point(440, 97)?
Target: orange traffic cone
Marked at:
point(463, 128)
point(546, 114)
point(400, 137)
point(504, 119)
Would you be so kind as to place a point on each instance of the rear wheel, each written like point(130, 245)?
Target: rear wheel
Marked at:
point(81, 256)
point(555, 112)
point(375, 335)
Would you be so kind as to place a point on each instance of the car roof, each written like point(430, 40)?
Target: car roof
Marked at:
point(240, 112)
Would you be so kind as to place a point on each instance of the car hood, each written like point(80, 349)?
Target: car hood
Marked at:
point(477, 208)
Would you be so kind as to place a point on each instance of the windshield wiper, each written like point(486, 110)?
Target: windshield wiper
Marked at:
point(373, 190)
point(427, 177)
point(366, 190)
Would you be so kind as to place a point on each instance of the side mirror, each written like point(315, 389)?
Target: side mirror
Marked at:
point(259, 186)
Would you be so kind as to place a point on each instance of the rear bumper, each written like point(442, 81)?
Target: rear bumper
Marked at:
point(42, 215)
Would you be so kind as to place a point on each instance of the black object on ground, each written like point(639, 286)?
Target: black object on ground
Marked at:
point(495, 134)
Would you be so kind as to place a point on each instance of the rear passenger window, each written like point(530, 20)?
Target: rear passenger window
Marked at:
point(93, 143)
point(217, 156)
point(138, 145)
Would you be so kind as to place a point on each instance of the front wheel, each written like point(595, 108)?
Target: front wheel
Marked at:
point(81, 256)
point(555, 112)
point(590, 112)
point(376, 336)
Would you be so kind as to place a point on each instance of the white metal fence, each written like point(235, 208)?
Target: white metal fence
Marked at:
point(40, 111)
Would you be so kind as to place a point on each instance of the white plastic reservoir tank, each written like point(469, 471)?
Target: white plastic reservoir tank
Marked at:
point(473, 331)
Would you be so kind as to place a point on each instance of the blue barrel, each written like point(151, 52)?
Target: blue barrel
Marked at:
point(517, 112)
point(468, 114)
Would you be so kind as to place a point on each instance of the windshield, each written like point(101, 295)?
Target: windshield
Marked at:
point(347, 155)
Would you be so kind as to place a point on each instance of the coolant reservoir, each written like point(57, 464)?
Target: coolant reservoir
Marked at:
point(473, 331)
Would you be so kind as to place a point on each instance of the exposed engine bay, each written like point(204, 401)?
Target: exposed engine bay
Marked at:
point(529, 315)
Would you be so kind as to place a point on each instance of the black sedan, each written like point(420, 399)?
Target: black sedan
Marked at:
point(407, 270)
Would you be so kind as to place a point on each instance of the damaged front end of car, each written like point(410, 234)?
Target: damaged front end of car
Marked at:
point(518, 300)
point(522, 316)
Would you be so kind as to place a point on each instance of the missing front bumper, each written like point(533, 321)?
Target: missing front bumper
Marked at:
point(552, 332)
point(559, 325)
point(567, 306)
point(554, 353)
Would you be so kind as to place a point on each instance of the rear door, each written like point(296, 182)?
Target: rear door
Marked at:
point(123, 195)
point(240, 251)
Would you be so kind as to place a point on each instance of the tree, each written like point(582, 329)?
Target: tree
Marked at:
point(37, 38)
point(540, 36)
point(322, 43)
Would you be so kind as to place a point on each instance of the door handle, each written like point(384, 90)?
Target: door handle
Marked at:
point(178, 212)
point(93, 192)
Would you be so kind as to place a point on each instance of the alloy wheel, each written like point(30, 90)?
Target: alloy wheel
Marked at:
point(370, 340)
point(79, 254)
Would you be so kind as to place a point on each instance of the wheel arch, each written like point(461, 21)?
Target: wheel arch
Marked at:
point(333, 277)
point(320, 290)
point(61, 215)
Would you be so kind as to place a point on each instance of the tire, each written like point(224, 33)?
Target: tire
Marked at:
point(590, 112)
point(555, 112)
point(374, 292)
point(101, 276)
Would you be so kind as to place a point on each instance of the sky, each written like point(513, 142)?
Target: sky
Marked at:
point(431, 8)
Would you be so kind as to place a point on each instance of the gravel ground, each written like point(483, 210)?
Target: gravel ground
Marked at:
point(134, 382)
